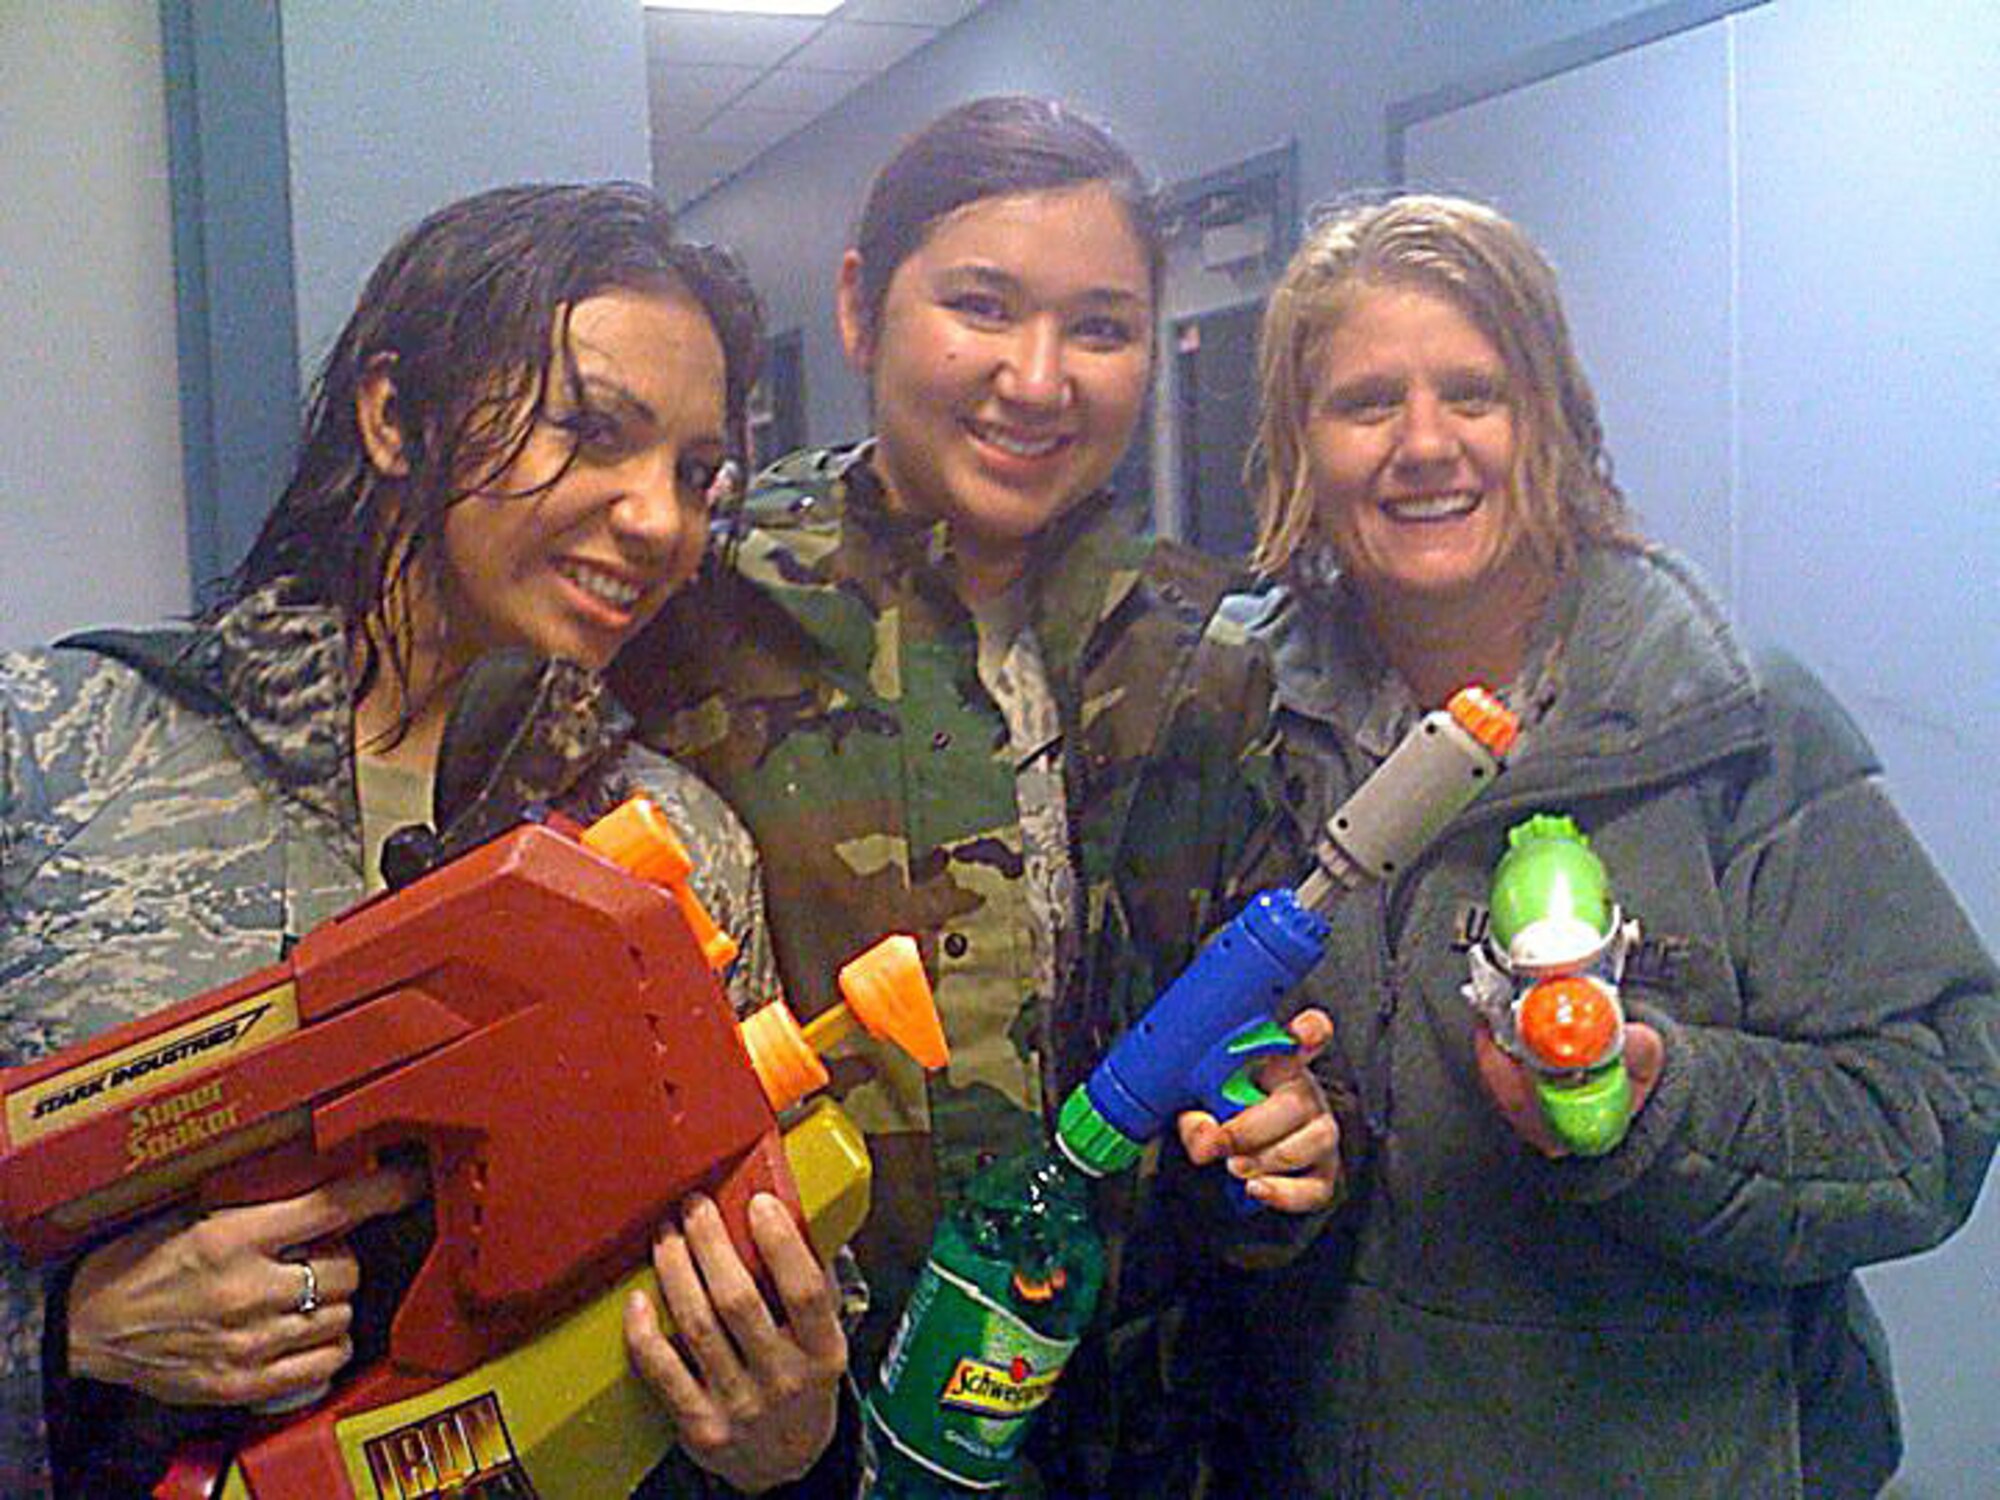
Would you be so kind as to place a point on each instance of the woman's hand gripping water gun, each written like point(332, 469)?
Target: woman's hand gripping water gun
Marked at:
point(1205, 1043)
point(1555, 1052)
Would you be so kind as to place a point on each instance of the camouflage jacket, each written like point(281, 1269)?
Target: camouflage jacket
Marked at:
point(176, 807)
point(833, 698)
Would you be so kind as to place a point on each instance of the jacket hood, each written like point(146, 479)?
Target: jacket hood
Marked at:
point(1654, 682)
point(274, 668)
point(1650, 680)
point(271, 667)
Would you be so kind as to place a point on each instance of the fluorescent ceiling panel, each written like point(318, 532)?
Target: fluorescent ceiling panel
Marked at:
point(752, 7)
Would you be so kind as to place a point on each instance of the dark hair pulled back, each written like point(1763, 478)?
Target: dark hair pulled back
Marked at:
point(996, 147)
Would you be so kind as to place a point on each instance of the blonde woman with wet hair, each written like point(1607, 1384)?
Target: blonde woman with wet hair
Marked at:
point(1812, 1089)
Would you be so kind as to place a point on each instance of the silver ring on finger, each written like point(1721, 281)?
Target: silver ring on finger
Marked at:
point(308, 1301)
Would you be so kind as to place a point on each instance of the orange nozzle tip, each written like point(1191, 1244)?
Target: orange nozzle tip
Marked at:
point(787, 1068)
point(1484, 717)
point(637, 836)
point(888, 992)
point(1568, 1023)
point(1040, 1288)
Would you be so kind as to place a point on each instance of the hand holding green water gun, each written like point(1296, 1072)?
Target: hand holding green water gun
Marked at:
point(1546, 981)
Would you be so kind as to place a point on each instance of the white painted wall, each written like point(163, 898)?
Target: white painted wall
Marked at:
point(1783, 292)
point(393, 110)
point(92, 523)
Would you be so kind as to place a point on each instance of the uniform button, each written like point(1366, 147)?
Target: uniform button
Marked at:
point(955, 944)
point(941, 740)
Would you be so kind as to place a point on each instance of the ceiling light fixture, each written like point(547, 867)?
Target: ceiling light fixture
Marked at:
point(752, 7)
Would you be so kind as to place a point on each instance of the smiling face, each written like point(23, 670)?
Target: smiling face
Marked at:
point(604, 512)
point(1409, 446)
point(1008, 366)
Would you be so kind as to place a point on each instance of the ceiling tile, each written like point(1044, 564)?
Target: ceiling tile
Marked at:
point(756, 128)
point(690, 168)
point(922, 12)
point(683, 98)
point(724, 89)
point(807, 90)
point(696, 37)
point(860, 46)
point(678, 184)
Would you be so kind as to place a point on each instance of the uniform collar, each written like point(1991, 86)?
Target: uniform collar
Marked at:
point(823, 544)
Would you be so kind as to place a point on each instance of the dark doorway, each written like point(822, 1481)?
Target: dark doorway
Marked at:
point(778, 404)
point(1215, 357)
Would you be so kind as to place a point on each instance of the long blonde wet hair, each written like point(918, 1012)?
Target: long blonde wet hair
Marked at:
point(1490, 271)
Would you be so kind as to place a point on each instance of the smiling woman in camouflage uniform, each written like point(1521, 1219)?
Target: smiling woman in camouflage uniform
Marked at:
point(511, 445)
point(951, 691)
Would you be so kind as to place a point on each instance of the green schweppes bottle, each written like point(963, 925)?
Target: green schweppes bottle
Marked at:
point(1012, 1279)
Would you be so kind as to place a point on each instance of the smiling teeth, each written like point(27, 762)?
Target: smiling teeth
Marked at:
point(1434, 507)
point(1020, 447)
point(613, 591)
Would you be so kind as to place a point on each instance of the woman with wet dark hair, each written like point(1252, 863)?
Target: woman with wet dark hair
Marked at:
point(462, 343)
point(512, 446)
point(952, 691)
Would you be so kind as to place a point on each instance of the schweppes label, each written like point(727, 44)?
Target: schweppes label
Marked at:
point(961, 1379)
point(988, 1390)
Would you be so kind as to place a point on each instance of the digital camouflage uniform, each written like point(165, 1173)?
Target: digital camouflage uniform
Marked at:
point(174, 819)
point(826, 683)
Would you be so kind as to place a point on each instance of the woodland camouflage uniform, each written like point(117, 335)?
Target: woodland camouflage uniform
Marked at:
point(175, 809)
point(825, 683)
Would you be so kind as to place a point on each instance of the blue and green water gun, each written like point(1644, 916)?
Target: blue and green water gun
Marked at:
point(1197, 1043)
point(1015, 1268)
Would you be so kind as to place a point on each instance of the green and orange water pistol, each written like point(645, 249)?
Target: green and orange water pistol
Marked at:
point(1546, 980)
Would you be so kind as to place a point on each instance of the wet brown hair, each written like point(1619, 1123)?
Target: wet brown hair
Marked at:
point(1488, 269)
point(461, 309)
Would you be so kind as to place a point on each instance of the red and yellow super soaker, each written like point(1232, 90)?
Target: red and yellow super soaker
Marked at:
point(542, 1019)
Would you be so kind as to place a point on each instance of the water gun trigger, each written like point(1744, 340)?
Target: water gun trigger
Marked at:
point(1223, 1080)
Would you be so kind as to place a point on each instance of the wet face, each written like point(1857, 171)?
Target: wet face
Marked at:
point(575, 567)
point(1008, 367)
point(1409, 446)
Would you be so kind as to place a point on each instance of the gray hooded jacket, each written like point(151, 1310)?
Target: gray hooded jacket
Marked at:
point(1677, 1317)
